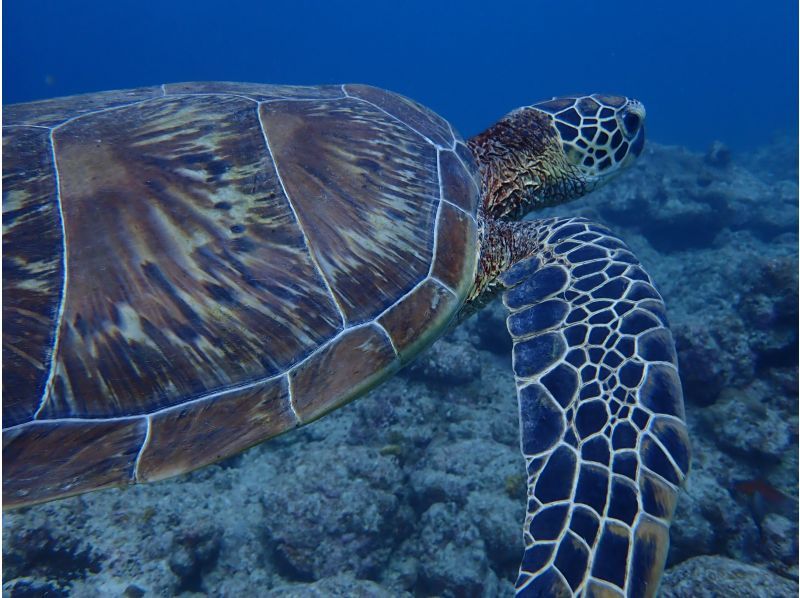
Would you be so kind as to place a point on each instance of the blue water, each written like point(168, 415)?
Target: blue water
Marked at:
point(706, 70)
point(420, 487)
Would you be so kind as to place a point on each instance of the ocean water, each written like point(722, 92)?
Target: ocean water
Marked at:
point(706, 71)
point(418, 488)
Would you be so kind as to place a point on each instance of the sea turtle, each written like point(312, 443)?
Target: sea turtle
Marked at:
point(191, 269)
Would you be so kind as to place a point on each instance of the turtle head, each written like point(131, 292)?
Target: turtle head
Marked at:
point(599, 134)
point(556, 151)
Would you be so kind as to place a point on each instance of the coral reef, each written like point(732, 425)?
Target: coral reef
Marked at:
point(447, 362)
point(718, 576)
point(418, 489)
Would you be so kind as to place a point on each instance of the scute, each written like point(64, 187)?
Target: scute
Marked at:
point(221, 239)
point(145, 325)
point(32, 252)
point(369, 252)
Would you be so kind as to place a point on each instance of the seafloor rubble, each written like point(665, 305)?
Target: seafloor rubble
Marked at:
point(418, 489)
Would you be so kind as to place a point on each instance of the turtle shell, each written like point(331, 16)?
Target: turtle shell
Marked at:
point(191, 269)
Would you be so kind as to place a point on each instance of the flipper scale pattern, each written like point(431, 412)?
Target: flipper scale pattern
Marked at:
point(601, 414)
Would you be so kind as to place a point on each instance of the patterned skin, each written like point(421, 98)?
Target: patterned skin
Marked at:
point(195, 268)
point(600, 402)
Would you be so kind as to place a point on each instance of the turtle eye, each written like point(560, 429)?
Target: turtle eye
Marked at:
point(631, 122)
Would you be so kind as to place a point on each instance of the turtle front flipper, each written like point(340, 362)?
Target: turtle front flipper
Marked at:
point(601, 414)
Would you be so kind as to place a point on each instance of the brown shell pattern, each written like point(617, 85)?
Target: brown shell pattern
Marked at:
point(194, 268)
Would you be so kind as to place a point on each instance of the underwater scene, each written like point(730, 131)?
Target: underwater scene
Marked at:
point(417, 488)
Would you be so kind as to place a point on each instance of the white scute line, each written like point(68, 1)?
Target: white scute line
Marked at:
point(212, 94)
point(149, 419)
point(62, 300)
point(436, 218)
point(443, 284)
point(400, 120)
point(300, 222)
point(224, 391)
point(109, 109)
point(455, 139)
point(475, 180)
point(388, 336)
point(291, 400)
point(281, 99)
point(27, 127)
point(460, 209)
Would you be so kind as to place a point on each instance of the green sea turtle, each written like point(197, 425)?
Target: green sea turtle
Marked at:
point(194, 268)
